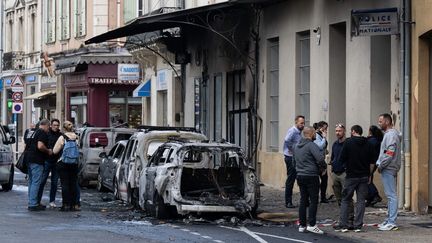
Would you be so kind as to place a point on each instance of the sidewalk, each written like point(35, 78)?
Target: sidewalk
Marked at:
point(272, 200)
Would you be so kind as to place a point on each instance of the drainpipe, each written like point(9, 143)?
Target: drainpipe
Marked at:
point(407, 98)
point(401, 181)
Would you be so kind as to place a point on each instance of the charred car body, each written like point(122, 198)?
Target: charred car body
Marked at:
point(186, 177)
point(108, 166)
point(139, 150)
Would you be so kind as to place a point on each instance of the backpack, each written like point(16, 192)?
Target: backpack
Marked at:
point(70, 154)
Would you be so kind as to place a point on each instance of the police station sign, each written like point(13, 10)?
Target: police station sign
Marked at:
point(128, 72)
point(374, 22)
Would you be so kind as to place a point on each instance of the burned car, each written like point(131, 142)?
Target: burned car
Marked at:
point(139, 149)
point(184, 177)
point(6, 160)
point(108, 166)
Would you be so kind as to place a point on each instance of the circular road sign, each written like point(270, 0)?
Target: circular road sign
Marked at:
point(17, 96)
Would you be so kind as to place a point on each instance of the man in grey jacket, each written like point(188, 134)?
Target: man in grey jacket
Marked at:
point(389, 162)
point(309, 163)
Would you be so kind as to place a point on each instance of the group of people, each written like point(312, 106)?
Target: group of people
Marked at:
point(354, 161)
point(49, 151)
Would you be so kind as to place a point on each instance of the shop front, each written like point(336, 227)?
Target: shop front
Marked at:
point(101, 95)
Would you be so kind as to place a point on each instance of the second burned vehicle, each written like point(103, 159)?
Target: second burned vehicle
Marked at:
point(183, 177)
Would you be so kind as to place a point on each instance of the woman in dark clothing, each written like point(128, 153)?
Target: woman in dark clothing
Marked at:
point(374, 138)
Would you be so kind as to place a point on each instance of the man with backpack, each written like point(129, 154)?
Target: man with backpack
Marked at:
point(67, 147)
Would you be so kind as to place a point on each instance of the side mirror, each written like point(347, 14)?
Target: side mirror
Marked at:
point(102, 155)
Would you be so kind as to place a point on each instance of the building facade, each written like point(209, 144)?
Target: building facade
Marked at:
point(21, 57)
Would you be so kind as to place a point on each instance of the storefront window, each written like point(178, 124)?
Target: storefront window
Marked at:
point(123, 108)
point(78, 105)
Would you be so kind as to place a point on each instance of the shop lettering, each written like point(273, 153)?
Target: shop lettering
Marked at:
point(130, 70)
point(112, 81)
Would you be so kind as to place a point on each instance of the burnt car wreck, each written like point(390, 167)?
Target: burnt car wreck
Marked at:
point(187, 177)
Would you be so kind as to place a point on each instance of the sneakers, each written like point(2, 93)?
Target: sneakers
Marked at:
point(388, 227)
point(382, 224)
point(289, 205)
point(314, 229)
point(358, 229)
point(52, 205)
point(36, 208)
point(302, 229)
point(340, 228)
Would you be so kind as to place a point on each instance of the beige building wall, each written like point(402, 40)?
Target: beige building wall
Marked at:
point(362, 72)
point(421, 169)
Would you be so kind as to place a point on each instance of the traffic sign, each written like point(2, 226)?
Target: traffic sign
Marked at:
point(17, 108)
point(17, 96)
point(17, 84)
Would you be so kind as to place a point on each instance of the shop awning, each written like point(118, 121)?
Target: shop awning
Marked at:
point(143, 90)
point(150, 23)
point(40, 95)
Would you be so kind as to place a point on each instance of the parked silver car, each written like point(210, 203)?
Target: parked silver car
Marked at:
point(108, 166)
point(184, 177)
point(93, 141)
point(139, 149)
point(6, 160)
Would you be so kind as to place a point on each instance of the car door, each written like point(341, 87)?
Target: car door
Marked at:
point(114, 163)
point(157, 160)
point(104, 168)
point(124, 169)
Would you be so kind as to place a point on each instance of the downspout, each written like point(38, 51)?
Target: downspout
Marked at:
point(407, 98)
point(401, 181)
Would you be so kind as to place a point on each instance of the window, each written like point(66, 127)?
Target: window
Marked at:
point(111, 152)
point(80, 11)
point(217, 107)
point(303, 82)
point(64, 10)
point(50, 17)
point(273, 94)
point(119, 151)
point(140, 8)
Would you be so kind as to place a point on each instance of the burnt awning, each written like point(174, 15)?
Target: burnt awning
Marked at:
point(150, 23)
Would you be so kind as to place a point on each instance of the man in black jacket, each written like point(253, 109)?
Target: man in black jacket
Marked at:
point(36, 156)
point(357, 157)
point(309, 163)
point(50, 163)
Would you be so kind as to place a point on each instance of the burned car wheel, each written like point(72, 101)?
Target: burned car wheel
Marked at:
point(8, 186)
point(99, 186)
point(159, 209)
point(116, 190)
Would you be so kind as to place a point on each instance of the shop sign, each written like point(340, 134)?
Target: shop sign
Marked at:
point(163, 77)
point(128, 72)
point(112, 81)
point(374, 22)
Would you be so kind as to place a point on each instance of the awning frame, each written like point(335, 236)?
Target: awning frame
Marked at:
point(40, 95)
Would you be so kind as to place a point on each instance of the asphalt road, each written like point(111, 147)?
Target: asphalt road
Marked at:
point(103, 219)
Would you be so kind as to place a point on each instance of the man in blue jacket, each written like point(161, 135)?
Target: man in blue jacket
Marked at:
point(292, 138)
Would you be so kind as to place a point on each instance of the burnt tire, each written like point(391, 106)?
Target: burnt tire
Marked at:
point(116, 191)
point(8, 186)
point(99, 185)
point(159, 209)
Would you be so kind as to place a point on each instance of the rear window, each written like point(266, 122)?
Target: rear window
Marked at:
point(98, 139)
point(122, 136)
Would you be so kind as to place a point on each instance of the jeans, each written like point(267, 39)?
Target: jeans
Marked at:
point(49, 167)
point(69, 179)
point(373, 191)
point(35, 178)
point(291, 176)
point(323, 186)
point(309, 190)
point(389, 182)
point(360, 186)
point(338, 186)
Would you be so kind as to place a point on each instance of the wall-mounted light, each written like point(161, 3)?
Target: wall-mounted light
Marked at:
point(317, 31)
